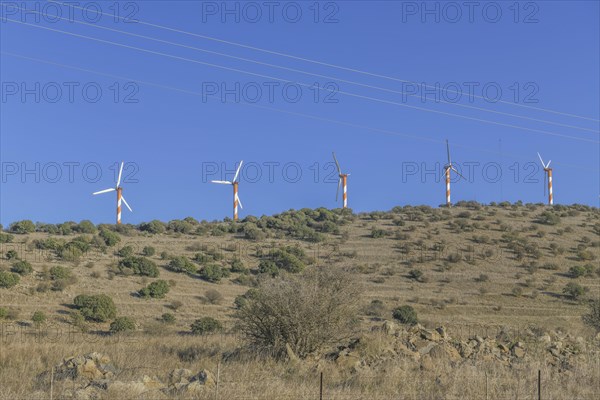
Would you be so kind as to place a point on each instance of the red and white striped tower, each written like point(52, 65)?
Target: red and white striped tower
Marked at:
point(235, 201)
point(550, 194)
point(548, 176)
point(119, 200)
point(448, 200)
point(345, 185)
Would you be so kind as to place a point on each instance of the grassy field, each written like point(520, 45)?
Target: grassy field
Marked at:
point(476, 270)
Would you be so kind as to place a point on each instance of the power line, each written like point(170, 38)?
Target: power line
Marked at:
point(323, 63)
point(309, 116)
point(306, 85)
point(315, 74)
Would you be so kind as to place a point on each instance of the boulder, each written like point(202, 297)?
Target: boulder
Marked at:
point(389, 328)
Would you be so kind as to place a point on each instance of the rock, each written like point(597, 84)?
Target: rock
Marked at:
point(598, 336)
point(290, 353)
point(205, 378)
point(348, 361)
point(152, 383)
point(433, 336)
point(389, 328)
point(444, 352)
point(479, 339)
point(181, 375)
point(442, 331)
point(545, 339)
point(503, 348)
point(427, 363)
point(423, 346)
point(518, 352)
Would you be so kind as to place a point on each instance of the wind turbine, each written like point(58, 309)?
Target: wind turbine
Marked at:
point(342, 181)
point(119, 191)
point(447, 168)
point(547, 178)
point(234, 183)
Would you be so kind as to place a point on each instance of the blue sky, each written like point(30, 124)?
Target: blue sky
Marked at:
point(73, 106)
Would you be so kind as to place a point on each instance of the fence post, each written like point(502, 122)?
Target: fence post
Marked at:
point(51, 382)
point(539, 384)
point(486, 385)
point(321, 387)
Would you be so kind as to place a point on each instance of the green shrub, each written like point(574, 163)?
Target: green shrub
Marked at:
point(125, 251)
point(416, 274)
point(86, 226)
point(8, 279)
point(22, 227)
point(213, 273)
point(378, 233)
point(12, 255)
point(593, 317)
point(148, 251)
point(38, 317)
point(237, 265)
point(586, 255)
point(122, 324)
point(168, 318)
point(573, 290)
point(175, 305)
point(100, 308)
point(182, 264)
point(406, 315)
point(110, 238)
point(139, 266)
point(22, 268)
point(3, 312)
point(6, 238)
point(213, 296)
point(156, 290)
point(153, 227)
point(549, 218)
point(205, 326)
point(268, 267)
point(577, 271)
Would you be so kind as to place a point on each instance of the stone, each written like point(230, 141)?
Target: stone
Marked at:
point(427, 363)
point(545, 339)
point(290, 353)
point(389, 328)
point(206, 378)
point(181, 375)
point(503, 348)
point(444, 352)
point(152, 383)
point(433, 336)
point(443, 332)
point(518, 352)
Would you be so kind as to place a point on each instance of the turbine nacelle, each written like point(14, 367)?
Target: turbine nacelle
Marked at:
point(119, 189)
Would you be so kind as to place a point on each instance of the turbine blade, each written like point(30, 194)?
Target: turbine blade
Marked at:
point(124, 201)
point(222, 182)
point(444, 171)
point(120, 174)
point(542, 161)
point(448, 151)
point(337, 164)
point(458, 173)
point(104, 191)
point(237, 172)
point(237, 196)
point(548, 163)
point(337, 194)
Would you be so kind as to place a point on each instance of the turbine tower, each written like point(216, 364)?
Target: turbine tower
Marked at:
point(447, 168)
point(119, 191)
point(343, 181)
point(548, 179)
point(234, 183)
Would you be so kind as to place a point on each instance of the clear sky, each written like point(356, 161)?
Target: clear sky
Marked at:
point(217, 84)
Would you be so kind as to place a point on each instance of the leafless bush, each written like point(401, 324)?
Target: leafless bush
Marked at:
point(307, 312)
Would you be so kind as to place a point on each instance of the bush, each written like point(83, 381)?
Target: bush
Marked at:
point(8, 279)
point(148, 251)
point(586, 255)
point(86, 226)
point(406, 315)
point(38, 317)
point(110, 238)
point(549, 218)
point(213, 296)
point(153, 227)
point(139, 266)
point(156, 290)
point(268, 267)
point(237, 265)
point(100, 308)
point(125, 251)
point(175, 305)
point(573, 290)
point(213, 273)
point(182, 264)
point(3, 312)
point(205, 326)
point(577, 271)
point(416, 274)
point(22, 227)
point(593, 318)
point(122, 324)
point(308, 312)
point(5, 238)
point(22, 268)
point(12, 255)
point(167, 318)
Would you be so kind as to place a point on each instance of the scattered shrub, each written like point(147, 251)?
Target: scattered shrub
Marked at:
point(577, 271)
point(148, 251)
point(268, 267)
point(182, 264)
point(125, 251)
point(12, 255)
point(593, 317)
point(122, 324)
point(213, 296)
point(205, 325)
point(167, 318)
point(22, 227)
point(110, 238)
point(3, 312)
point(237, 265)
point(22, 268)
point(175, 305)
point(8, 279)
point(138, 266)
point(156, 290)
point(100, 308)
point(406, 315)
point(38, 317)
point(416, 274)
point(573, 290)
point(549, 218)
point(213, 273)
point(6, 238)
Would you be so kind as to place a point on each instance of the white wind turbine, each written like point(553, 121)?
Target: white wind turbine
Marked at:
point(343, 181)
point(548, 179)
point(119, 191)
point(447, 168)
point(234, 183)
